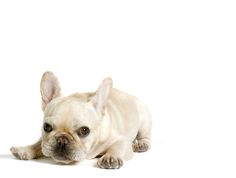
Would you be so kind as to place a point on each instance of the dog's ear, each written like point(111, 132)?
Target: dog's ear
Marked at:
point(49, 88)
point(102, 94)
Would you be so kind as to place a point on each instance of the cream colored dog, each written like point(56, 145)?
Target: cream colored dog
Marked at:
point(107, 123)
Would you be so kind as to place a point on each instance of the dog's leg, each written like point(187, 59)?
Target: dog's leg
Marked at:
point(113, 158)
point(142, 140)
point(28, 152)
point(141, 145)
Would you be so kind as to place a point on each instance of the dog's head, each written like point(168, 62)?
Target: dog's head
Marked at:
point(71, 124)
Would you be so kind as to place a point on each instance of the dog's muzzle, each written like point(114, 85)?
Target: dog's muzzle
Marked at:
point(62, 141)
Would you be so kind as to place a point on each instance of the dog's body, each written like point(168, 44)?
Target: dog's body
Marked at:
point(108, 123)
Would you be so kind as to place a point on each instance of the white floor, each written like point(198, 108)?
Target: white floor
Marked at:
point(183, 154)
point(44, 168)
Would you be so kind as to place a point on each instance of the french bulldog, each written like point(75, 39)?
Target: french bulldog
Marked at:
point(109, 124)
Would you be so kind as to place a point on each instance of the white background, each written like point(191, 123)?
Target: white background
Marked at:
point(177, 56)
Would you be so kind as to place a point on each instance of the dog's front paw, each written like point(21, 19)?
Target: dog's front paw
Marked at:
point(109, 162)
point(21, 153)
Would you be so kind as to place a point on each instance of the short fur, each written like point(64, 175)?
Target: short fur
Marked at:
point(119, 125)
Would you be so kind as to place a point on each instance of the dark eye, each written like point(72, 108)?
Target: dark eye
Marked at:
point(47, 127)
point(83, 131)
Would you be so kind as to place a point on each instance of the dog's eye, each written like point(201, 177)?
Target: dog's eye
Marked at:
point(47, 127)
point(83, 131)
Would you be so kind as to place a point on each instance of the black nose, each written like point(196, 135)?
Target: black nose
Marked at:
point(62, 141)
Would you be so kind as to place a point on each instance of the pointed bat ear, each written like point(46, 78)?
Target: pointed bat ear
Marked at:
point(102, 94)
point(49, 88)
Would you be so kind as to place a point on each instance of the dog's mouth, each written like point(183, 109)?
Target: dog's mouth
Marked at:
point(62, 155)
point(62, 158)
point(66, 157)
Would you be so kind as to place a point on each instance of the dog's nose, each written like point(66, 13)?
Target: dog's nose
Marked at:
point(62, 140)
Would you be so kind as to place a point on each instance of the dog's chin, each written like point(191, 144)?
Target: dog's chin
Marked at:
point(63, 159)
point(67, 158)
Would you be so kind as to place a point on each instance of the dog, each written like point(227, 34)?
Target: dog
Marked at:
point(109, 124)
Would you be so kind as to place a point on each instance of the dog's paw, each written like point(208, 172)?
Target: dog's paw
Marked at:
point(140, 146)
point(109, 162)
point(21, 153)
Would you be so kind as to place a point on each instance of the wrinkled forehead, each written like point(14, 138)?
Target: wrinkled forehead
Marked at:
point(70, 113)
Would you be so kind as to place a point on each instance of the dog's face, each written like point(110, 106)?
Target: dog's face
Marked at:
point(71, 124)
point(69, 129)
